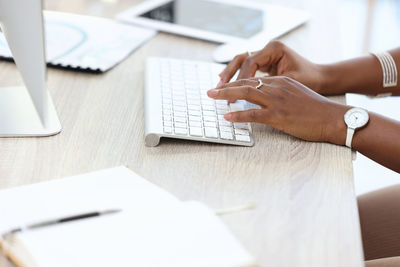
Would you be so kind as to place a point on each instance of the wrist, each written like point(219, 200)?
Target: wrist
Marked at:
point(330, 80)
point(336, 128)
point(360, 75)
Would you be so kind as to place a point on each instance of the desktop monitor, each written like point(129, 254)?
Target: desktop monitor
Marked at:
point(27, 110)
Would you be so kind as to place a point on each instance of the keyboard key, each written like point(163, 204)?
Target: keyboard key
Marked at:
point(194, 118)
point(238, 106)
point(222, 106)
point(204, 83)
point(180, 119)
point(192, 89)
point(179, 114)
point(166, 101)
point(179, 98)
point(178, 92)
point(209, 108)
point(180, 125)
point(167, 112)
point(167, 118)
point(166, 96)
point(167, 123)
point(167, 129)
point(240, 125)
point(165, 82)
point(221, 101)
point(194, 107)
point(180, 108)
point(193, 101)
point(181, 131)
point(195, 113)
point(211, 132)
point(208, 113)
point(212, 124)
point(178, 103)
point(226, 135)
point(209, 118)
point(225, 129)
point(190, 84)
point(224, 123)
point(221, 117)
point(243, 138)
point(194, 124)
point(195, 131)
point(206, 101)
point(167, 106)
point(242, 132)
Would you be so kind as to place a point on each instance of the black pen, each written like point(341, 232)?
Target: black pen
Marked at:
point(61, 220)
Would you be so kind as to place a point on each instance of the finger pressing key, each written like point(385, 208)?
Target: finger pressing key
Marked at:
point(230, 70)
point(250, 66)
point(248, 93)
point(251, 82)
point(251, 115)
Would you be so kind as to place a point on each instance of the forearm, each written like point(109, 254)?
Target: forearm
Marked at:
point(361, 75)
point(379, 140)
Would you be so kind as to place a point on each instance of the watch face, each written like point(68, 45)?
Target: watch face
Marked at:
point(356, 118)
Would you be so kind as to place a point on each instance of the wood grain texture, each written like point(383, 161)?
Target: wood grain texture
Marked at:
point(306, 213)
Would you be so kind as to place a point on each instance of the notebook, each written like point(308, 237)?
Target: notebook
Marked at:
point(86, 42)
point(153, 229)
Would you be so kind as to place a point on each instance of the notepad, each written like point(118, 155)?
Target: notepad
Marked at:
point(153, 229)
point(86, 42)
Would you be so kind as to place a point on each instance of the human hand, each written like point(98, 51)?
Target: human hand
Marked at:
point(276, 59)
point(289, 106)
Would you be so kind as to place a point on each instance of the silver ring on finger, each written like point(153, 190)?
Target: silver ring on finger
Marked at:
point(249, 53)
point(260, 84)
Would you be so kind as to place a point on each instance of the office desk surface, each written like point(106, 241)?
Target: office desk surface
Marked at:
point(306, 213)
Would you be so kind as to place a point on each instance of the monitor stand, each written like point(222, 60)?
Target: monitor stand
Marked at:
point(19, 118)
point(26, 110)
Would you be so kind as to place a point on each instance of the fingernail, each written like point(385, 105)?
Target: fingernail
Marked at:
point(228, 116)
point(220, 83)
point(212, 93)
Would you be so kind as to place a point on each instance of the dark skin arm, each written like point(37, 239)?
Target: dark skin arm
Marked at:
point(361, 75)
point(289, 105)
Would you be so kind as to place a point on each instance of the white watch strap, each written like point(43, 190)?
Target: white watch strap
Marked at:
point(349, 137)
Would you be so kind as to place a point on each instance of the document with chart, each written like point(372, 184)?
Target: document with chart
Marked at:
point(85, 42)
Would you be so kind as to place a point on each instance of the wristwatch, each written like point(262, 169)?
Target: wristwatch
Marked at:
point(354, 118)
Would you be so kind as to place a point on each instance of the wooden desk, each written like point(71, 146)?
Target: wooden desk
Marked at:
point(306, 212)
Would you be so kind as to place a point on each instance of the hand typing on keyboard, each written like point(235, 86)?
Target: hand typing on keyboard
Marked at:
point(286, 105)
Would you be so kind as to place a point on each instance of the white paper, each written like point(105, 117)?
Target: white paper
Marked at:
point(189, 235)
point(112, 188)
point(154, 228)
point(86, 42)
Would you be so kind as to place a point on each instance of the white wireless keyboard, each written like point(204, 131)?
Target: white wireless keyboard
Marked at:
point(177, 106)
